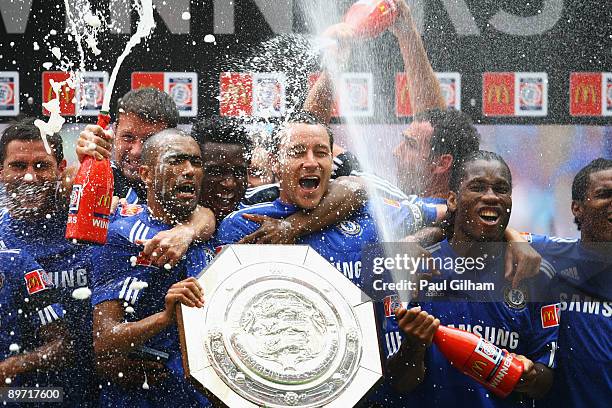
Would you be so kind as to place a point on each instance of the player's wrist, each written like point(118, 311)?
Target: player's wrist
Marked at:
point(167, 317)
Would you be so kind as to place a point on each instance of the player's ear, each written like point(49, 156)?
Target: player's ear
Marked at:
point(443, 164)
point(145, 174)
point(577, 210)
point(451, 202)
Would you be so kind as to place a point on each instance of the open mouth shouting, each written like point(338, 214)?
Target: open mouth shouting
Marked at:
point(309, 183)
point(489, 215)
point(186, 190)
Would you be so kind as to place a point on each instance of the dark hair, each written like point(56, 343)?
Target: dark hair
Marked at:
point(304, 117)
point(222, 129)
point(25, 129)
point(453, 133)
point(458, 173)
point(580, 185)
point(151, 105)
point(152, 144)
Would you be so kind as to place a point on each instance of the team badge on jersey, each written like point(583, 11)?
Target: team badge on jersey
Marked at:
point(37, 281)
point(350, 228)
point(515, 298)
point(209, 254)
point(130, 210)
point(550, 315)
point(391, 303)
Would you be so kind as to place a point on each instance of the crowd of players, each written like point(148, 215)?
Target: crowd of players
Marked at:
point(183, 195)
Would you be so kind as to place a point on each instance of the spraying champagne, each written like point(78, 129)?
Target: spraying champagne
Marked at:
point(369, 18)
point(91, 197)
point(92, 192)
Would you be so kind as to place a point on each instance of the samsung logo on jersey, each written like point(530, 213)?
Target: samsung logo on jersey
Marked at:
point(571, 273)
point(585, 304)
point(495, 335)
point(69, 279)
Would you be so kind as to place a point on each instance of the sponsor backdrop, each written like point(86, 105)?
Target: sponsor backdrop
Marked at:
point(502, 62)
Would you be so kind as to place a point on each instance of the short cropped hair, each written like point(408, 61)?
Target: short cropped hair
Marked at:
point(458, 174)
point(25, 129)
point(221, 129)
point(151, 105)
point(304, 117)
point(454, 133)
point(580, 185)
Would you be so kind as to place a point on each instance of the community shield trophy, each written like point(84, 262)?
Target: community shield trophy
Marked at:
point(280, 327)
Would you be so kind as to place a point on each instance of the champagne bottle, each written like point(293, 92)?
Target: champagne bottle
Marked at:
point(91, 197)
point(369, 18)
point(474, 356)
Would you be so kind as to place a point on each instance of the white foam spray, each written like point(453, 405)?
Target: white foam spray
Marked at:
point(146, 24)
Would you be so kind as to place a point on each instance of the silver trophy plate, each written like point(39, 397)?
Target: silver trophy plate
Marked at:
point(280, 327)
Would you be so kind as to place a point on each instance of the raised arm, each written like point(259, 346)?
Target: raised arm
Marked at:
point(425, 92)
point(320, 98)
point(346, 195)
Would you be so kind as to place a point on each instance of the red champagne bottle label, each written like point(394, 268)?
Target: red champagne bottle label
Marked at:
point(369, 18)
point(493, 367)
point(90, 201)
point(474, 356)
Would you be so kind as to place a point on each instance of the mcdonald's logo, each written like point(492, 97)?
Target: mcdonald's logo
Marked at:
point(498, 93)
point(64, 91)
point(583, 92)
point(36, 281)
point(104, 201)
point(550, 316)
point(501, 93)
point(383, 8)
point(478, 367)
point(66, 94)
point(402, 96)
point(236, 91)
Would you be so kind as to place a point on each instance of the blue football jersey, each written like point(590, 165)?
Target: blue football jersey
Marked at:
point(69, 267)
point(514, 324)
point(28, 301)
point(583, 282)
point(122, 273)
point(342, 243)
